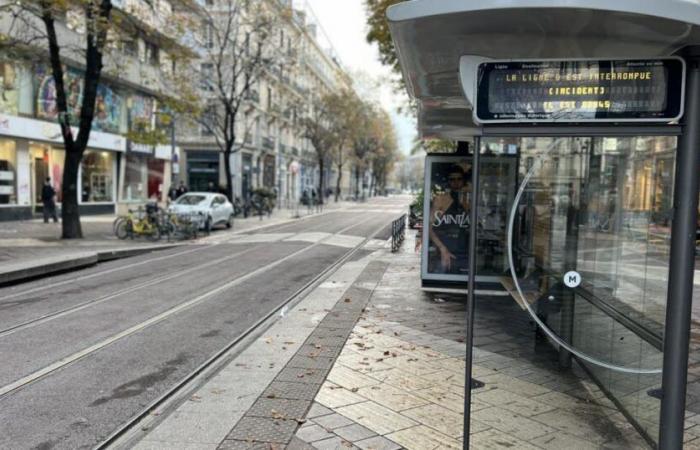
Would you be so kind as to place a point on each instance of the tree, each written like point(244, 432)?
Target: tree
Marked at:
point(386, 153)
point(379, 32)
point(239, 49)
point(318, 126)
point(87, 33)
point(344, 108)
point(35, 22)
point(364, 141)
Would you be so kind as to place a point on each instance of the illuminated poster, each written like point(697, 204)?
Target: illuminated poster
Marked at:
point(9, 92)
point(580, 91)
point(142, 109)
point(447, 223)
point(46, 105)
point(446, 216)
point(107, 110)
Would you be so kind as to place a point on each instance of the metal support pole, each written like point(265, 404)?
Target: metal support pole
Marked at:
point(471, 297)
point(681, 267)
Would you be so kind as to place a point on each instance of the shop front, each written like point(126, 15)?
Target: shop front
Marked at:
point(574, 188)
point(31, 151)
point(145, 175)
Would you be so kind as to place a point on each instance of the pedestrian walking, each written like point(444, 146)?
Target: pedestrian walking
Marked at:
point(48, 198)
point(181, 189)
point(172, 193)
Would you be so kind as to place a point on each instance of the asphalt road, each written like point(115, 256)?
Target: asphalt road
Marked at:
point(84, 352)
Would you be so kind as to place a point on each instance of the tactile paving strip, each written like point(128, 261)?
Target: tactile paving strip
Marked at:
point(275, 416)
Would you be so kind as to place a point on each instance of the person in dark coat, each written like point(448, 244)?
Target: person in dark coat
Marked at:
point(181, 189)
point(48, 195)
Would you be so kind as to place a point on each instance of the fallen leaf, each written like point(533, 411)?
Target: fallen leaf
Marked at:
point(268, 340)
point(347, 300)
point(396, 333)
point(290, 342)
point(380, 359)
point(271, 396)
point(354, 389)
point(301, 375)
point(387, 353)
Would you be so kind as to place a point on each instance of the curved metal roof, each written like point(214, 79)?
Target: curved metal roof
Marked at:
point(431, 36)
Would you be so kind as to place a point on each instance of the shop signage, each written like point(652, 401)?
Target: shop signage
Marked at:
point(39, 130)
point(580, 91)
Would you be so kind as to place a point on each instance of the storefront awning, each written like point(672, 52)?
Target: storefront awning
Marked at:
point(431, 36)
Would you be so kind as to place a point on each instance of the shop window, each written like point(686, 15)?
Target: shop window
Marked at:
point(8, 173)
point(143, 178)
point(97, 177)
point(135, 187)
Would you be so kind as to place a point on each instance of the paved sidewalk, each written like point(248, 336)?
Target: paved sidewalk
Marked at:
point(319, 378)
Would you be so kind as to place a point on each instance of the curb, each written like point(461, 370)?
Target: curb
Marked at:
point(50, 266)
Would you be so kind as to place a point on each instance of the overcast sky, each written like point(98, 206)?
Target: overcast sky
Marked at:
point(344, 24)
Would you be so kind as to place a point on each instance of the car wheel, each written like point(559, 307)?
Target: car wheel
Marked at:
point(229, 222)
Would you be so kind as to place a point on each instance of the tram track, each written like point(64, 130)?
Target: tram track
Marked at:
point(96, 301)
point(63, 362)
point(182, 390)
point(199, 247)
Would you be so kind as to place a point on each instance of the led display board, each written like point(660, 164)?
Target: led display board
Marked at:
point(580, 91)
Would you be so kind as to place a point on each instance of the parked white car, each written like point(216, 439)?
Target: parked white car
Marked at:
point(215, 208)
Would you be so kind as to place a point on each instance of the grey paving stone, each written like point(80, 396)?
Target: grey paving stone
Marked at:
point(334, 443)
point(327, 351)
point(326, 340)
point(333, 421)
point(378, 443)
point(354, 432)
point(262, 429)
point(305, 362)
point(299, 375)
point(276, 407)
point(313, 433)
point(318, 410)
point(298, 444)
point(292, 391)
point(243, 445)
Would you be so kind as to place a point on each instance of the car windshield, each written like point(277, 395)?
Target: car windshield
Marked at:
point(190, 200)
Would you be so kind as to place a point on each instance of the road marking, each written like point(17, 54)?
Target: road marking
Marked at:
point(156, 319)
point(75, 308)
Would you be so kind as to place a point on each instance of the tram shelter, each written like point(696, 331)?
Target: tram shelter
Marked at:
point(580, 122)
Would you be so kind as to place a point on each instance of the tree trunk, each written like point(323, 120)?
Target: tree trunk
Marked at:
point(337, 183)
point(227, 169)
point(320, 181)
point(357, 182)
point(70, 215)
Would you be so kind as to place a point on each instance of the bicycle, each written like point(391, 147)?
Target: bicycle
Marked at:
point(139, 224)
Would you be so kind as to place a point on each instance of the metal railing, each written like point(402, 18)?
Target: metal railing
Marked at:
point(398, 233)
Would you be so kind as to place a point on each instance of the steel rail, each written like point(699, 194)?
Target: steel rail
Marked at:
point(182, 390)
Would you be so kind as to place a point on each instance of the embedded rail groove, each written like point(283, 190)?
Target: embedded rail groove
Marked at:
point(36, 375)
point(182, 390)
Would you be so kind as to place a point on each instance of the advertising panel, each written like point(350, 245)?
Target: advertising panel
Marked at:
point(447, 223)
point(9, 89)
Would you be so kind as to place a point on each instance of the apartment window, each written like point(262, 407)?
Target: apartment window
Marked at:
point(208, 34)
point(247, 44)
point(130, 47)
point(281, 38)
point(207, 74)
point(152, 54)
point(269, 99)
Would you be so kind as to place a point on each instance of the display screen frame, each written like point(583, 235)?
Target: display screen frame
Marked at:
point(674, 96)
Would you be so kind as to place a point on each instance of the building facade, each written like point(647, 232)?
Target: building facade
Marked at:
point(115, 172)
point(271, 150)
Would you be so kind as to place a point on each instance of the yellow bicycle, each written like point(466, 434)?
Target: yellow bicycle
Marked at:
point(137, 225)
